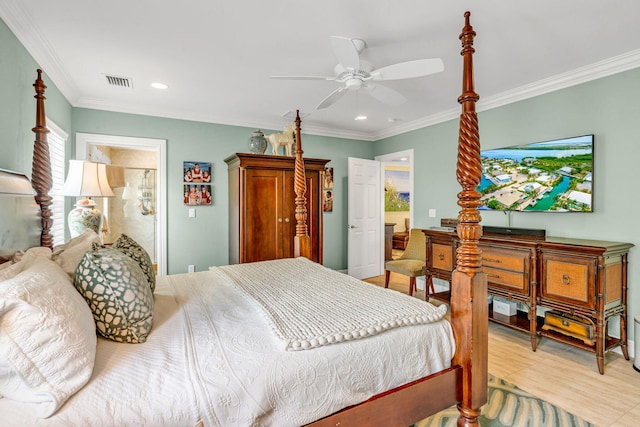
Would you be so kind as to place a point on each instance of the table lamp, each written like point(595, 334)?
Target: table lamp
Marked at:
point(86, 179)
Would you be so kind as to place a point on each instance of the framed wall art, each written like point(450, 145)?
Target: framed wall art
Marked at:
point(197, 172)
point(327, 190)
point(197, 188)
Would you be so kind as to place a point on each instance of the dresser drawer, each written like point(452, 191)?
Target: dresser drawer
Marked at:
point(513, 261)
point(567, 324)
point(569, 279)
point(508, 279)
point(442, 257)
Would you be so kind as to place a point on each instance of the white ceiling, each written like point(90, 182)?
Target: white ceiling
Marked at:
point(217, 56)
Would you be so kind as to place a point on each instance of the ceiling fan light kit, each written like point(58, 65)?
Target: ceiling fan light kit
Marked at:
point(355, 73)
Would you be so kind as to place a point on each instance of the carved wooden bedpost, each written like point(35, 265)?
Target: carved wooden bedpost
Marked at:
point(41, 166)
point(469, 284)
point(301, 242)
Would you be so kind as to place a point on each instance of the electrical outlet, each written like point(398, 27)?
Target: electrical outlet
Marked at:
point(191, 268)
point(192, 212)
point(432, 213)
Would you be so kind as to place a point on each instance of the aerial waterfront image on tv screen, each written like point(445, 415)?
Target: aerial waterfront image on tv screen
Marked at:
point(554, 176)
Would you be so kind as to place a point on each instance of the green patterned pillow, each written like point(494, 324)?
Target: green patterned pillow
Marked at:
point(127, 245)
point(118, 294)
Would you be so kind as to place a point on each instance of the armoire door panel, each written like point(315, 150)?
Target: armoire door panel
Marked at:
point(263, 225)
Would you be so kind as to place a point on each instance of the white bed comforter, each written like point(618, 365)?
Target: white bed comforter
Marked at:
point(307, 308)
point(212, 358)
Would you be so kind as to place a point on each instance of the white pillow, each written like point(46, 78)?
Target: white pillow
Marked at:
point(23, 261)
point(68, 255)
point(47, 337)
point(6, 265)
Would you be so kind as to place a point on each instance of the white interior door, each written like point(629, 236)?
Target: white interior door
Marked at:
point(365, 254)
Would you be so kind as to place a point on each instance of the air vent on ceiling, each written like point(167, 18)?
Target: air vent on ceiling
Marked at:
point(124, 82)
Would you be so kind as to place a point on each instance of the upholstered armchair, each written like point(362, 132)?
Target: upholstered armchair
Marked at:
point(412, 263)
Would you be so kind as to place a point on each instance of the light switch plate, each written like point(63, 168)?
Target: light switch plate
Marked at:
point(192, 212)
point(432, 213)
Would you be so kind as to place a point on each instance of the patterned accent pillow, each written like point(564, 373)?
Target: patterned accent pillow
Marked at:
point(127, 245)
point(118, 294)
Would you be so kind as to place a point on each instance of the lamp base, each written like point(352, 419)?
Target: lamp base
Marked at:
point(83, 216)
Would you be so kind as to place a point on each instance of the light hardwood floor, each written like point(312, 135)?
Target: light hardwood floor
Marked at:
point(558, 373)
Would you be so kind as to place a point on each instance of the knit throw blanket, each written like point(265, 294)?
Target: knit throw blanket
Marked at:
point(309, 305)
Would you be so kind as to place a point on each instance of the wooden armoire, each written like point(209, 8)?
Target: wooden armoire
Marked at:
point(262, 207)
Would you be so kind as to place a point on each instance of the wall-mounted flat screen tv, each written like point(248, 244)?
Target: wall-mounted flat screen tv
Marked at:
point(550, 176)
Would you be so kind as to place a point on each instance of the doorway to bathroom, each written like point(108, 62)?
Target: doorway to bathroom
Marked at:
point(139, 206)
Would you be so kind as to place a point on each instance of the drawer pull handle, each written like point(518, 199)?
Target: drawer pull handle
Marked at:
point(497, 276)
point(565, 323)
point(441, 257)
point(566, 280)
point(497, 261)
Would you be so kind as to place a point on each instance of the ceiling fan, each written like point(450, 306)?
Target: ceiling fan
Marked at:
point(355, 73)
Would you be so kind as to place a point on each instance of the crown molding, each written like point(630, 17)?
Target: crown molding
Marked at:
point(604, 68)
point(308, 129)
point(16, 17)
point(607, 67)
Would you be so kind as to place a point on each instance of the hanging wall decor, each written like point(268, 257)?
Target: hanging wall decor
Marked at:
point(197, 177)
point(327, 190)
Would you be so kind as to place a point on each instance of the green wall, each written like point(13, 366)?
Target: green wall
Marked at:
point(203, 240)
point(18, 107)
point(607, 107)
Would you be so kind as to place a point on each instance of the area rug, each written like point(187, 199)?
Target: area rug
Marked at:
point(507, 405)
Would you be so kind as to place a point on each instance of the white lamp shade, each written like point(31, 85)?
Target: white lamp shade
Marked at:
point(87, 179)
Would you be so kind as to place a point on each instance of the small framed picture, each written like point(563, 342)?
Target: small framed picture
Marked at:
point(198, 195)
point(328, 178)
point(197, 172)
point(197, 177)
point(327, 200)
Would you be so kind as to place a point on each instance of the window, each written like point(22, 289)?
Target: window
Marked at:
point(57, 139)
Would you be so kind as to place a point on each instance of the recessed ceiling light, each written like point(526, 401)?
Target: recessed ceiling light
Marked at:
point(360, 118)
point(159, 85)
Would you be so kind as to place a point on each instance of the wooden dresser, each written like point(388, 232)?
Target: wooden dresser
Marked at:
point(570, 288)
point(388, 240)
point(262, 210)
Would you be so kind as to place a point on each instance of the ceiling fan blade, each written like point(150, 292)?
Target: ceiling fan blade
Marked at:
point(332, 97)
point(346, 52)
point(302, 78)
point(386, 95)
point(409, 69)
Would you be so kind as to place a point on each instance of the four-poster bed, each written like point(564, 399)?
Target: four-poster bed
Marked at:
point(221, 388)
